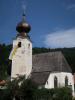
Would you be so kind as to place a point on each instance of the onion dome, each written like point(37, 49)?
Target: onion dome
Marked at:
point(23, 26)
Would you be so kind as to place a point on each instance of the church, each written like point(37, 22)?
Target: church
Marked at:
point(49, 70)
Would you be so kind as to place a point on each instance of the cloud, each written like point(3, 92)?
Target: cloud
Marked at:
point(60, 39)
point(72, 6)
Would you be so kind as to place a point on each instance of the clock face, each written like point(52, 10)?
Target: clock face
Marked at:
point(23, 51)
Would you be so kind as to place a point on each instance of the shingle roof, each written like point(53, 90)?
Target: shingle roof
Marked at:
point(45, 63)
point(40, 77)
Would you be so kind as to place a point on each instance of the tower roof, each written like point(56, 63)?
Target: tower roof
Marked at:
point(23, 26)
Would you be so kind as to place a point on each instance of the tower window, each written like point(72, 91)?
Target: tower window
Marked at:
point(55, 82)
point(28, 45)
point(19, 44)
point(66, 81)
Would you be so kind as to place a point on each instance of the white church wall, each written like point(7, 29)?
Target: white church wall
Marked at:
point(22, 59)
point(60, 79)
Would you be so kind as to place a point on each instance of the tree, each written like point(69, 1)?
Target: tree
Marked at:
point(27, 89)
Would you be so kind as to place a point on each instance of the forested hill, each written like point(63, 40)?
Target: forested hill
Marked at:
point(69, 53)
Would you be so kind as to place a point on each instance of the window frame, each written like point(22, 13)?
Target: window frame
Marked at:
point(55, 82)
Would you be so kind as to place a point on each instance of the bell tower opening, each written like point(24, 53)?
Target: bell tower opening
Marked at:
point(19, 44)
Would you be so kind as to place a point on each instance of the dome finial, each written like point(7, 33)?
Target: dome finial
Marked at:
point(23, 27)
point(24, 11)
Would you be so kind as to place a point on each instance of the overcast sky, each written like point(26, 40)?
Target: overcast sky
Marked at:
point(52, 21)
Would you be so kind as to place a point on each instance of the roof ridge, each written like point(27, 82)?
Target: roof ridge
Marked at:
point(49, 52)
point(40, 71)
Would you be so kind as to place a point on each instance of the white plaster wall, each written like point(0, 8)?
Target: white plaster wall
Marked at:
point(22, 60)
point(61, 80)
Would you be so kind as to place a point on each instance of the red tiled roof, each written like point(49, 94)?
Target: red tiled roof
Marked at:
point(74, 78)
point(2, 82)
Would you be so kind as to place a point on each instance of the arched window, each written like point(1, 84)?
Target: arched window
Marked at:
point(55, 82)
point(66, 81)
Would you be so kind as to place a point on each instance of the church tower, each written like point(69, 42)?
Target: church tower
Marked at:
point(21, 54)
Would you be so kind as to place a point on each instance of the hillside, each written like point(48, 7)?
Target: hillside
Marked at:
point(5, 64)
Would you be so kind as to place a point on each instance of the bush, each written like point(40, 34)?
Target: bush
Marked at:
point(28, 90)
point(64, 93)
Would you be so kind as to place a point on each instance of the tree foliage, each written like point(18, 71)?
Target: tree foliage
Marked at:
point(26, 89)
point(5, 63)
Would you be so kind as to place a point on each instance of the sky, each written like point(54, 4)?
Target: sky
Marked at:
point(52, 21)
